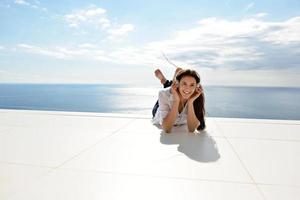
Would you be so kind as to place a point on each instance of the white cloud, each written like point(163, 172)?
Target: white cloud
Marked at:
point(41, 51)
point(284, 33)
point(256, 77)
point(87, 45)
point(34, 5)
point(260, 15)
point(248, 44)
point(95, 17)
point(22, 2)
point(121, 31)
point(84, 51)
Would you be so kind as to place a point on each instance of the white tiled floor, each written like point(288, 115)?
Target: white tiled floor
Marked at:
point(270, 162)
point(68, 155)
point(13, 177)
point(269, 130)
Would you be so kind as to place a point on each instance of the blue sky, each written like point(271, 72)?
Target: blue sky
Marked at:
point(227, 42)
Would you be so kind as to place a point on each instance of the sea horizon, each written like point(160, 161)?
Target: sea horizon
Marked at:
point(144, 85)
point(258, 102)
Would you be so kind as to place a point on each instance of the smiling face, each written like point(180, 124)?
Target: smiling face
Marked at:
point(187, 86)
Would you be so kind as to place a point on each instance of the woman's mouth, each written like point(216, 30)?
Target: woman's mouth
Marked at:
point(186, 92)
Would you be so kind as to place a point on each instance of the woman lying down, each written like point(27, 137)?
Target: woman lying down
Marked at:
point(181, 102)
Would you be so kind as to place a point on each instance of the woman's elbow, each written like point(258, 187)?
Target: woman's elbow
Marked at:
point(167, 130)
point(166, 127)
point(191, 130)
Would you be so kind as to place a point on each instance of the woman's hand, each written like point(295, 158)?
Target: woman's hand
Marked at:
point(198, 91)
point(174, 91)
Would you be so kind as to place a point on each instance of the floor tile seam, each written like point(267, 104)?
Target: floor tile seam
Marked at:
point(26, 164)
point(78, 114)
point(234, 151)
point(278, 185)
point(94, 144)
point(261, 185)
point(122, 117)
point(150, 176)
point(44, 175)
point(261, 122)
point(94, 114)
point(262, 139)
point(10, 126)
point(35, 180)
point(242, 162)
point(91, 116)
point(253, 120)
point(164, 159)
point(130, 132)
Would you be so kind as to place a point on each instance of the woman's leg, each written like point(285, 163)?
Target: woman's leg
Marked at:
point(178, 69)
point(166, 83)
point(160, 76)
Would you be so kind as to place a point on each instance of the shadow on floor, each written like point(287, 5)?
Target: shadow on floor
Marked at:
point(200, 147)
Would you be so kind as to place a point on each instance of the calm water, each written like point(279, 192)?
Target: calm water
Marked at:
point(245, 102)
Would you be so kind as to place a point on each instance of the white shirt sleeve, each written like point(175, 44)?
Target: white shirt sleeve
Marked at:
point(165, 101)
point(164, 104)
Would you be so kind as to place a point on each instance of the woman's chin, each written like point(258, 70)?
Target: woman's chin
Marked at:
point(186, 97)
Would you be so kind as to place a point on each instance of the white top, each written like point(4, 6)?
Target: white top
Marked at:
point(165, 101)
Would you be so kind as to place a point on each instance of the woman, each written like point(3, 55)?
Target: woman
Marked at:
point(183, 103)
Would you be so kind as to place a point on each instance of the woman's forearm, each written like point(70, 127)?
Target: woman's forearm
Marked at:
point(169, 120)
point(192, 120)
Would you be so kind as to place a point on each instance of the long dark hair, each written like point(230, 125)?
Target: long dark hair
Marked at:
point(200, 101)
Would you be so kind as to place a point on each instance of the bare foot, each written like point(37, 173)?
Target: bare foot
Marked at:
point(160, 76)
point(178, 69)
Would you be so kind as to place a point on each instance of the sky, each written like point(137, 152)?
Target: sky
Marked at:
point(230, 42)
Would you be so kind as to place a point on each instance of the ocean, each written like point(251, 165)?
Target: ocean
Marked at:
point(221, 101)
